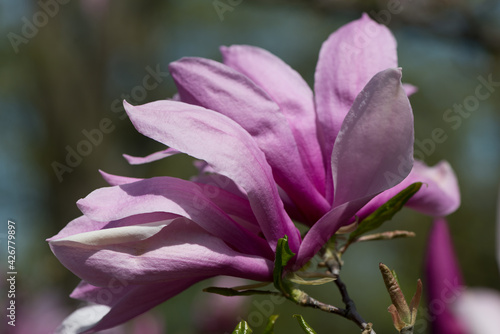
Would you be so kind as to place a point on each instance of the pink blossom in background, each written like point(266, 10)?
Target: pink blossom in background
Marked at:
point(454, 308)
point(444, 282)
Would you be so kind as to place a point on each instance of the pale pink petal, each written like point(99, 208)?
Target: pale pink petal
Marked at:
point(116, 180)
point(439, 195)
point(81, 224)
point(221, 190)
point(219, 181)
point(376, 134)
point(410, 89)
point(148, 254)
point(152, 157)
point(180, 197)
point(126, 302)
point(228, 148)
point(324, 229)
point(478, 309)
point(215, 86)
point(374, 148)
point(83, 319)
point(348, 59)
point(294, 97)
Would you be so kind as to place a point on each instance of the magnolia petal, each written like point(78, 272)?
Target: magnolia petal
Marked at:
point(218, 188)
point(444, 280)
point(348, 59)
point(81, 224)
point(410, 89)
point(116, 180)
point(228, 148)
point(84, 224)
point(325, 228)
point(153, 254)
point(374, 149)
point(120, 300)
point(439, 195)
point(83, 319)
point(376, 134)
point(215, 86)
point(152, 157)
point(180, 197)
point(478, 310)
point(220, 181)
point(293, 95)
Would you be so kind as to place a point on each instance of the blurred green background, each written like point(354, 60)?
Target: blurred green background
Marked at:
point(65, 74)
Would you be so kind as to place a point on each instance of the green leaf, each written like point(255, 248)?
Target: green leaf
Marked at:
point(230, 292)
point(386, 211)
point(305, 326)
point(270, 324)
point(242, 328)
point(283, 255)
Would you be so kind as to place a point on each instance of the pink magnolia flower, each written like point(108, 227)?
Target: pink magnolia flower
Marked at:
point(275, 152)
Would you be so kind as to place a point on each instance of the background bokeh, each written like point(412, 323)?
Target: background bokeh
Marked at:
point(64, 74)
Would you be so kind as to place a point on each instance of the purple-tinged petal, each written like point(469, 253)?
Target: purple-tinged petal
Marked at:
point(81, 224)
point(84, 224)
point(116, 180)
point(228, 148)
point(148, 254)
point(125, 302)
point(374, 148)
point(444, 280)
point(439, 195)
point(139, 300)
point(221, 190)
point(294, 97)
point(410, 89)
point(219, 181)
point(215, 86)
point(376, 134)
point(83, 319)
point(348, 59)
point(152, 157)
point(180, 197)
point(324, 229)
point(478, 310)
